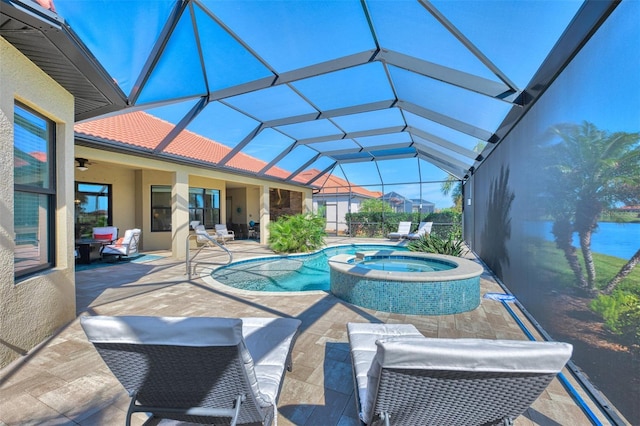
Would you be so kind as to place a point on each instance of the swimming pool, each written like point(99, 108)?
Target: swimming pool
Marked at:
point(304, 272)
point(404, 264)
point(414, 284)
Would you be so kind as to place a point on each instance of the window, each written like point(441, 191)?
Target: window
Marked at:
point(160, 208)
point(34, 191)
point(204, 206)
point(93, 208)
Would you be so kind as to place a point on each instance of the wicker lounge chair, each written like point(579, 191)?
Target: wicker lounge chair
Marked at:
point(404, 228)
point(200, 370)
point(403, 378)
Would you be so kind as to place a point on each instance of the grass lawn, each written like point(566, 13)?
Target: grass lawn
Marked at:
point(552, 262)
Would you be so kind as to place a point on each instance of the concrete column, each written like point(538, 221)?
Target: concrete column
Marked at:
point(307, 202)
point(179, 214)
point(264, 214)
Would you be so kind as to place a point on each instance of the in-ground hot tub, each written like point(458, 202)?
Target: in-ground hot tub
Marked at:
point(407, 282)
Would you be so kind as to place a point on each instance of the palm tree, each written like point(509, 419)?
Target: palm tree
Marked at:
point(590, 171)
point(452, 185)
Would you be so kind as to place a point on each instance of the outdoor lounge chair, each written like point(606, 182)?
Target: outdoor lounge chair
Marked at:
point(423, 229)
point(404, 378)
point(404, 228)
point(223, 234)
point(125, 246)
point(197, 369)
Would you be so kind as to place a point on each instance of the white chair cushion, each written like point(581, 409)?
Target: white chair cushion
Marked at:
point(269, 359)
point(473, 355)
point(191, 331)
point(362, 343)
point(126, 246)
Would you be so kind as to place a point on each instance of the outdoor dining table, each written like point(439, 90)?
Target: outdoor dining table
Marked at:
point(88, 249)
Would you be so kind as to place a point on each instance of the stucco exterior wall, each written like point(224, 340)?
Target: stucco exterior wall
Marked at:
point(123, 188)
point(152, 240)
point(132, 178)
point(34, 308)
point(238, 207)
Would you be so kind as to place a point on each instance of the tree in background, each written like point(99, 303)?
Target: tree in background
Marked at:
point(374, 205)
point(590, 171)
point(452, 185)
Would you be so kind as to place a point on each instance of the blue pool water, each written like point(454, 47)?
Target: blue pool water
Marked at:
point(288, 273)
point(404, 264)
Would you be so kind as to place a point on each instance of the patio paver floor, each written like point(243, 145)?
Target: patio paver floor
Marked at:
point(64, 381)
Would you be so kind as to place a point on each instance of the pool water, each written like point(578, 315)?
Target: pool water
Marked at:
point(404, 264)
point(288, 273)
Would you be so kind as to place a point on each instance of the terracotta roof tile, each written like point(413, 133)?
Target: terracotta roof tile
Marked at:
point(144, 130)
point(336, 185)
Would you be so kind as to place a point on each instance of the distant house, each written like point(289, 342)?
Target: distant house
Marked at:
point(399, 203)
point(422, 206)
point(336, 198)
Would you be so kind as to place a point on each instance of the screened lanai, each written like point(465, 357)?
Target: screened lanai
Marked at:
point(395, 97)
point(377, 93)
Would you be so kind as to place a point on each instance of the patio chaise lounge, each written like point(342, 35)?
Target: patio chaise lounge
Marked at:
point(223, 234)
point(404, 228)
point(404, 378)
point(423, 229)
point(197, 369)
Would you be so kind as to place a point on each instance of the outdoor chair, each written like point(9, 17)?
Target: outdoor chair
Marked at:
point(205, 238)
point(197, 369)
point(202, 236)
point(223, 234)
point(404, 228)
point(423, 229)
point(108, 234)
point(125, 246)
point(404, 378)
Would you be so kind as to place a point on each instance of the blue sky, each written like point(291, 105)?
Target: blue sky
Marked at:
point(281, 36)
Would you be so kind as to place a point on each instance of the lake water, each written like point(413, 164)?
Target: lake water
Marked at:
point(615, 239)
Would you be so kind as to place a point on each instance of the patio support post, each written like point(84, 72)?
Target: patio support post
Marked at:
point(179, 213)
point(307, 202)
point(264, 214)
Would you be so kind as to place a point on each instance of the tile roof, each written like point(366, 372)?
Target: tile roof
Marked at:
point(336, 185)
point(143, 130)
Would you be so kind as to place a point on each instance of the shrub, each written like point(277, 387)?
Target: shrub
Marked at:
point(453, 220)
point(299, 233)
point(621, 314)
point(434, 244)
